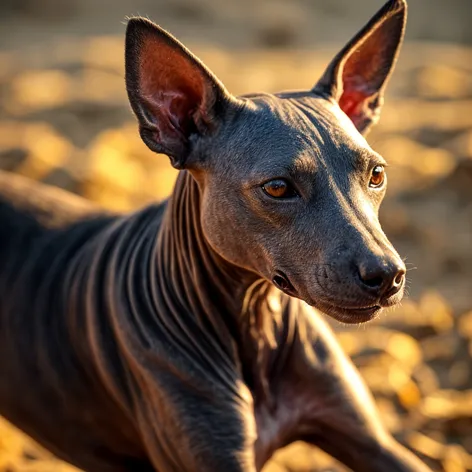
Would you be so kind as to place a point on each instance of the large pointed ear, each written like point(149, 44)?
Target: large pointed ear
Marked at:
point(357, 76)
point(174, 96)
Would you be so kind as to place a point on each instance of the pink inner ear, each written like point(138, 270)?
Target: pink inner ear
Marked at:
point(171, 86)
point(362, 76)
point(351, 102)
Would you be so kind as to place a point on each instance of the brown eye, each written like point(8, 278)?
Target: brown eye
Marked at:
point(279, 188)
point(378, 177)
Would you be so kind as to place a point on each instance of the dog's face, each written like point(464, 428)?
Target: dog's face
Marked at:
point(290, 189)
point(294, 195)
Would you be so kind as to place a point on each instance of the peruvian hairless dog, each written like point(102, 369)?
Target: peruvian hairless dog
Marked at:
point(156, 341)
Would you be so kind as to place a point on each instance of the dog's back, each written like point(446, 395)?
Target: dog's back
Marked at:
point(29, 214)
point(50, 206)
point(45, 233)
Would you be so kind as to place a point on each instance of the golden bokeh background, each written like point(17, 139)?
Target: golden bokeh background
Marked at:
point(64, 120)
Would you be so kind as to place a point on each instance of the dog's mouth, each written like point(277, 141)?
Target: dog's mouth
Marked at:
point(356, 314)
point(347, 315)
point(344, 314)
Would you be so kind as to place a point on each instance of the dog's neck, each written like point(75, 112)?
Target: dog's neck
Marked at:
point(223, 300)
point(205, 283)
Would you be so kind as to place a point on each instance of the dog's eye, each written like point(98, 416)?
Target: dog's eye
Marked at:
point(279, 188)
point(378, 177)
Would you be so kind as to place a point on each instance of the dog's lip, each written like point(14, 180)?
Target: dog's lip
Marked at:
point(368, 312)
point(360, 313)
point(353, 315)
point(347, 314)
point(366, 309)
point(363, 308)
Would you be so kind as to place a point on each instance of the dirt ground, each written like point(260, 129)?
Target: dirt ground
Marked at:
point(64, 120)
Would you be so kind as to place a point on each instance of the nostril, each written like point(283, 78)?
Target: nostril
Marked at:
point(372, 282)
point(382, 278)
point(385, 279)
point(396, 283)
point(398, 280)
point(371, 276)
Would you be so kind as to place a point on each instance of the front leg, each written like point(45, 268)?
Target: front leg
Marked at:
point(191, 425)
point(338, 413)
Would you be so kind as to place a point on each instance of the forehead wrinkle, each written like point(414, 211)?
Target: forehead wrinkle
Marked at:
point(323, 126)
point(304, 128)
point(327, 128)
point(303, 164)
point(303, 139)
point(272, 131)
point(286, 116)
point(345, 148)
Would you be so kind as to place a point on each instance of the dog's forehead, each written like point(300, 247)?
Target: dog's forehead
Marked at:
point(293, 129)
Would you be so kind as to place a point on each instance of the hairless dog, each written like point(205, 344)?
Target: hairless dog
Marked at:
point(156, 341)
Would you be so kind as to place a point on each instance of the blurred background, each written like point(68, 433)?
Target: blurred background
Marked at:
point(64, 120)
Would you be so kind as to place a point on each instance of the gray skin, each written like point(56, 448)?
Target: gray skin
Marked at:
point(156, 341)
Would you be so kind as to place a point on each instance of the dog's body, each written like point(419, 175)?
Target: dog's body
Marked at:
point(118, 341)
point(155, 341)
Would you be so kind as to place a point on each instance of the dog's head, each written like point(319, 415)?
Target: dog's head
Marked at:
point(290, 189)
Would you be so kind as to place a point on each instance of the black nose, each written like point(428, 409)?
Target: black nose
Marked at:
point(381, 278)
